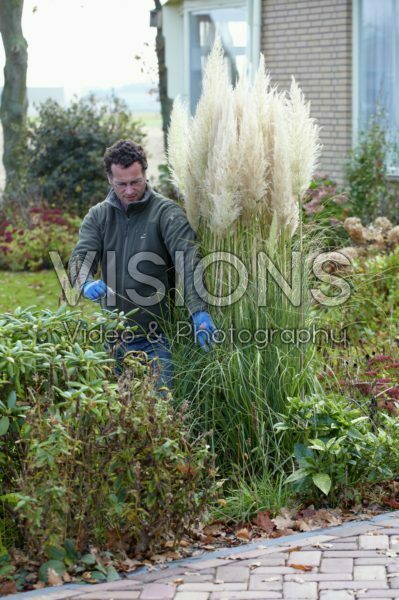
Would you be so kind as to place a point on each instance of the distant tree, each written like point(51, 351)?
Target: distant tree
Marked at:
point(14, 103)
point(166, 102)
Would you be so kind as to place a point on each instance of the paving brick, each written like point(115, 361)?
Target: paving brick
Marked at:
point(59, 595)
point(336, 565)
point(212, 587)
point(376, 560)
point(353, 585)
point(124, 584)
point(191, 596)
point(349, 554)
point(377, 572)
point(344, 546)
point(260, 582)
point(319, 577)
point(376, 594)
point(122, 595)
point(336, 595)
point(247, 595)
point(373, 542)
point(274, 570)
point(311, 557)
point(295, 591)
point(158, 591)
point(156, 574)
point(208, 564)
point(233, 573)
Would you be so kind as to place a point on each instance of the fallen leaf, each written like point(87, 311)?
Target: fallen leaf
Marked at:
point(66, 578)
point(243, 534)
point(264, 522)
point(301, 567)
point(294, 549)
point(169, 544)
point(219, 581)
point(7, 587)
point(183, 543)
point(209, 547)
point(255, 564)
point(391, 502)
point(178, 581)
point(322, 546)
point(53, 577)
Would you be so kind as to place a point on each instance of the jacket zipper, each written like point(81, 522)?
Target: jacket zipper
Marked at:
point(124, 265)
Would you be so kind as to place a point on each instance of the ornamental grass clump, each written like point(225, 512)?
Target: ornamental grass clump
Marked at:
point(242, 165)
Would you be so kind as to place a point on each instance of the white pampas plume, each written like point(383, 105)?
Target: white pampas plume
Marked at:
point(223, 173)
point(178, 136)
point(216, 88)
point(304, 140)
point(283, 202)
point(252, 160)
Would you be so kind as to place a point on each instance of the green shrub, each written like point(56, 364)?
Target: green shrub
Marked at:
point(85, 456)
point(27, 247)
point(324, 211)
point(66, 146)
point(370, 194)
point(338, 448)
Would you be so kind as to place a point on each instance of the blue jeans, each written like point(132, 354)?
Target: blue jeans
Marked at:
point(157, 351)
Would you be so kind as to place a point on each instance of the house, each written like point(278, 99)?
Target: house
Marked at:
point(343, 53)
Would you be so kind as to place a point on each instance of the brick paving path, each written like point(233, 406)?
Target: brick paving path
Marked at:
point(355, 561)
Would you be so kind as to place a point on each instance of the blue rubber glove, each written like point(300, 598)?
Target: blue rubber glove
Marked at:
point(203, 329)
point(94, 290)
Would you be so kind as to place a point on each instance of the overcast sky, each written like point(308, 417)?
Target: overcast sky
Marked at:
point(81, 44)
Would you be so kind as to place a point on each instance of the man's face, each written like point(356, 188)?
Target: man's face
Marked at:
point(128, 182)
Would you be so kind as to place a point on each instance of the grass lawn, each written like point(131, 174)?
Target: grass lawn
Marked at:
point(40, 289)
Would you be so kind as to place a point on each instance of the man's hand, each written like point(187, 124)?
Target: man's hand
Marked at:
point(203, 329)
point(94, 290)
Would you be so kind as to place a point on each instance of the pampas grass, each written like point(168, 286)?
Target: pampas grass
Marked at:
point(242, 164)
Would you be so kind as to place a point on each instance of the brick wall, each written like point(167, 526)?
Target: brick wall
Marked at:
point(312, 39)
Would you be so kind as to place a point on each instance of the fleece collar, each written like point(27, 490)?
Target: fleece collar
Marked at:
point(113, 199)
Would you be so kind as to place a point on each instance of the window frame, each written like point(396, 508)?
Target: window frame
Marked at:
point(356, 8)
point(253, 8)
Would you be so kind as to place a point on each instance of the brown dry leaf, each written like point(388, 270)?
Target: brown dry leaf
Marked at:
point(184, 543)
point(66, 578)
point(178, 581)
point(264, 522)
point(169, 544)
point(213, 529)
point(39, 585)
point(304, 568)
point(243, 534)
point(53, 577)
point(129, 564)
point(294, 549)
point(284, 520)
point(7, 587)
point(209, 547)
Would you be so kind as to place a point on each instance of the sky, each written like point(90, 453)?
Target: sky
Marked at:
point(85, 44)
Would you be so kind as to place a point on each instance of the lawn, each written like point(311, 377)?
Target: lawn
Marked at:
point(39, 288)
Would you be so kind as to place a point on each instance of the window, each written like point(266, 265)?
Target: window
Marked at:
point(231, 24)
point(378, 58)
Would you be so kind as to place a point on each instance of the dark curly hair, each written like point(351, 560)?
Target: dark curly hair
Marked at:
point(125, 153)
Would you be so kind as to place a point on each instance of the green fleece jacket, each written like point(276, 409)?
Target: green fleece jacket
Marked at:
point(139, 250)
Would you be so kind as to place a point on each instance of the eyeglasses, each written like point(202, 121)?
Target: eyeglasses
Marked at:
point(136, 183)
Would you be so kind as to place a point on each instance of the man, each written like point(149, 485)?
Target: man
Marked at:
point(140, 238)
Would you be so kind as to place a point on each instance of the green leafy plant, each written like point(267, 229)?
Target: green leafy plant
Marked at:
point(337, 447)
point(66, 146)
point(370, 194)
point(85, 456)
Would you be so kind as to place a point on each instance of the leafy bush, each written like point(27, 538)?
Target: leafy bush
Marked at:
point(370, 194)
point(338, 447)
point(66, 146)
point(324, 210)
point(27, 247)
point(84, 456)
